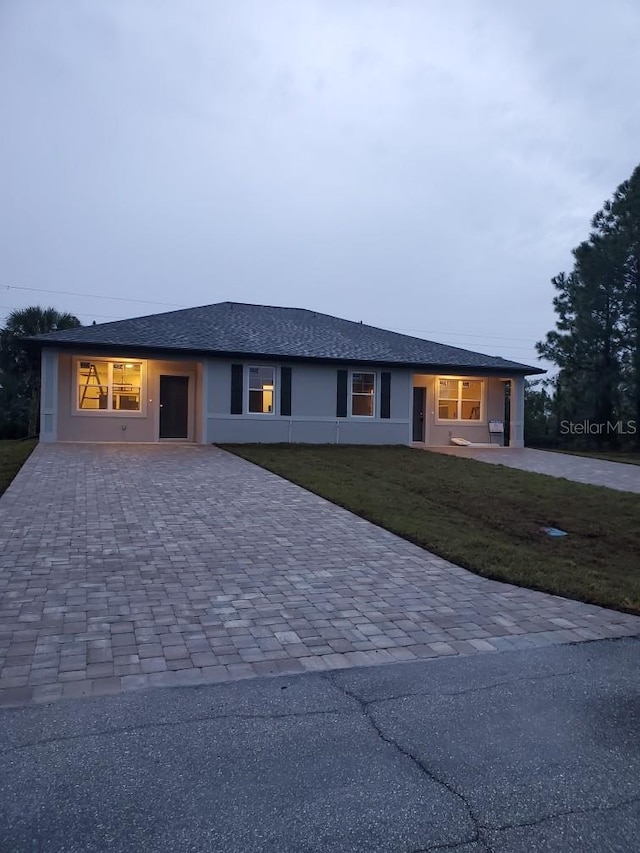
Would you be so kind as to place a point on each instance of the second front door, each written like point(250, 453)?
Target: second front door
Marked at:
point(174, 406)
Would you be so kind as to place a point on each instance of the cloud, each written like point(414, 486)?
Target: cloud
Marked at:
point(414, 165)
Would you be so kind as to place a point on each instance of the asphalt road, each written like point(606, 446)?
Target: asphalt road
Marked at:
point(505, 752)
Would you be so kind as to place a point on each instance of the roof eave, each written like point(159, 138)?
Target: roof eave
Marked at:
point(429, 367)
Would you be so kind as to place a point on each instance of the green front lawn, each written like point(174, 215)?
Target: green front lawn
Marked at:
point(486, 518)
point(13, 455)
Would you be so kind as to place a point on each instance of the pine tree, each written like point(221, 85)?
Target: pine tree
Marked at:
point(596, 343)
point(619, 222)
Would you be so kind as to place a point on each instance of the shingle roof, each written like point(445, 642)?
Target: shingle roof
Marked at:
point(237, 329)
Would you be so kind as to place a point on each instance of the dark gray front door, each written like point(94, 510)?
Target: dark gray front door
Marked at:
point(174, 406)
point(419, 404)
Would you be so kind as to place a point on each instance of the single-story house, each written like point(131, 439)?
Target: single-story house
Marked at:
point(233, 372)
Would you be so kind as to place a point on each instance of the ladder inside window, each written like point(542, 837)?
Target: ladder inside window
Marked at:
point(92, 375)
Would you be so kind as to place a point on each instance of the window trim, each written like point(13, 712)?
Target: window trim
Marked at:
point(376, 394)
point(275, 409)
point(482, 420)
point(104, 413)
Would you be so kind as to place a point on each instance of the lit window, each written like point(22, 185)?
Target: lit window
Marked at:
point(460, 399)
point(261, 390)
point(109, 386)
point(363, 394)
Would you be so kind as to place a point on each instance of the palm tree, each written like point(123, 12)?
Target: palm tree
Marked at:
point(20, 366)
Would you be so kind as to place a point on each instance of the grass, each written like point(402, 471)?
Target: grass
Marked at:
point(13, 455)
point(486, 518)
point(610, 456)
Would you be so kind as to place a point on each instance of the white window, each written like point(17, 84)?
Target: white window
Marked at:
point(363, 395)
point(460, 399)
point(109, 386)
point(262, 381)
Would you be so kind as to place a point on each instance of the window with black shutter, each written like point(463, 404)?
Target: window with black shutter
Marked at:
point(285, 391)
point(236, 389)
point(385, 395)
point(341, 393)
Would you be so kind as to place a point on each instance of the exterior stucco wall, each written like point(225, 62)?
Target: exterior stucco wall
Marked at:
point(517, 412)
point(439, 434)
point(49, 395)
point(73, 425)
point(313, 409)
point(198, 393)
point(313, 406)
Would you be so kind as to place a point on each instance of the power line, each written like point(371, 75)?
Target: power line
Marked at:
point(176, 305)
point(478, 343)
point(77, 313)
point(92, 295)
point(463, 335)
point(466, 345)
point(530, 348)
point(481, 338)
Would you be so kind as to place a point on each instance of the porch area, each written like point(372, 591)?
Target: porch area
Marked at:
point(468, 410)
point(120, 397)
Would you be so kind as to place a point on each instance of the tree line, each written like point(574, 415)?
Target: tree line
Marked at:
point(20, 368)
point(594, 401)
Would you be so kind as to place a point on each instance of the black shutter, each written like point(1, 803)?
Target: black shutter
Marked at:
point(385, 395)
point(285, 391)
point(236, 389)
point(341, 395)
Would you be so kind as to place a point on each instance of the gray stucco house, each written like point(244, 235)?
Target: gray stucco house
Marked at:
point(233, 372)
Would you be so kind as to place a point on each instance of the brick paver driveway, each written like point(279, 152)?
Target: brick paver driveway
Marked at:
point(127, 566)
point(582, 469)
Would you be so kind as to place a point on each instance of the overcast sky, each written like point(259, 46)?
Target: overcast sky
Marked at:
point(421, 166)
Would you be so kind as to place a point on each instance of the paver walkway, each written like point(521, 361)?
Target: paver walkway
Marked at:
point(123, 567)
point(583, 469)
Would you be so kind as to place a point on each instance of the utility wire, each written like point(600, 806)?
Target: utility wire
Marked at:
point(176, 305)
point(92, 295)
point(480, 343)
point(76, 313)
point(462, 335)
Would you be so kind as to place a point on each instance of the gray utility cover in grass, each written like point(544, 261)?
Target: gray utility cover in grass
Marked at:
point(554, 532)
